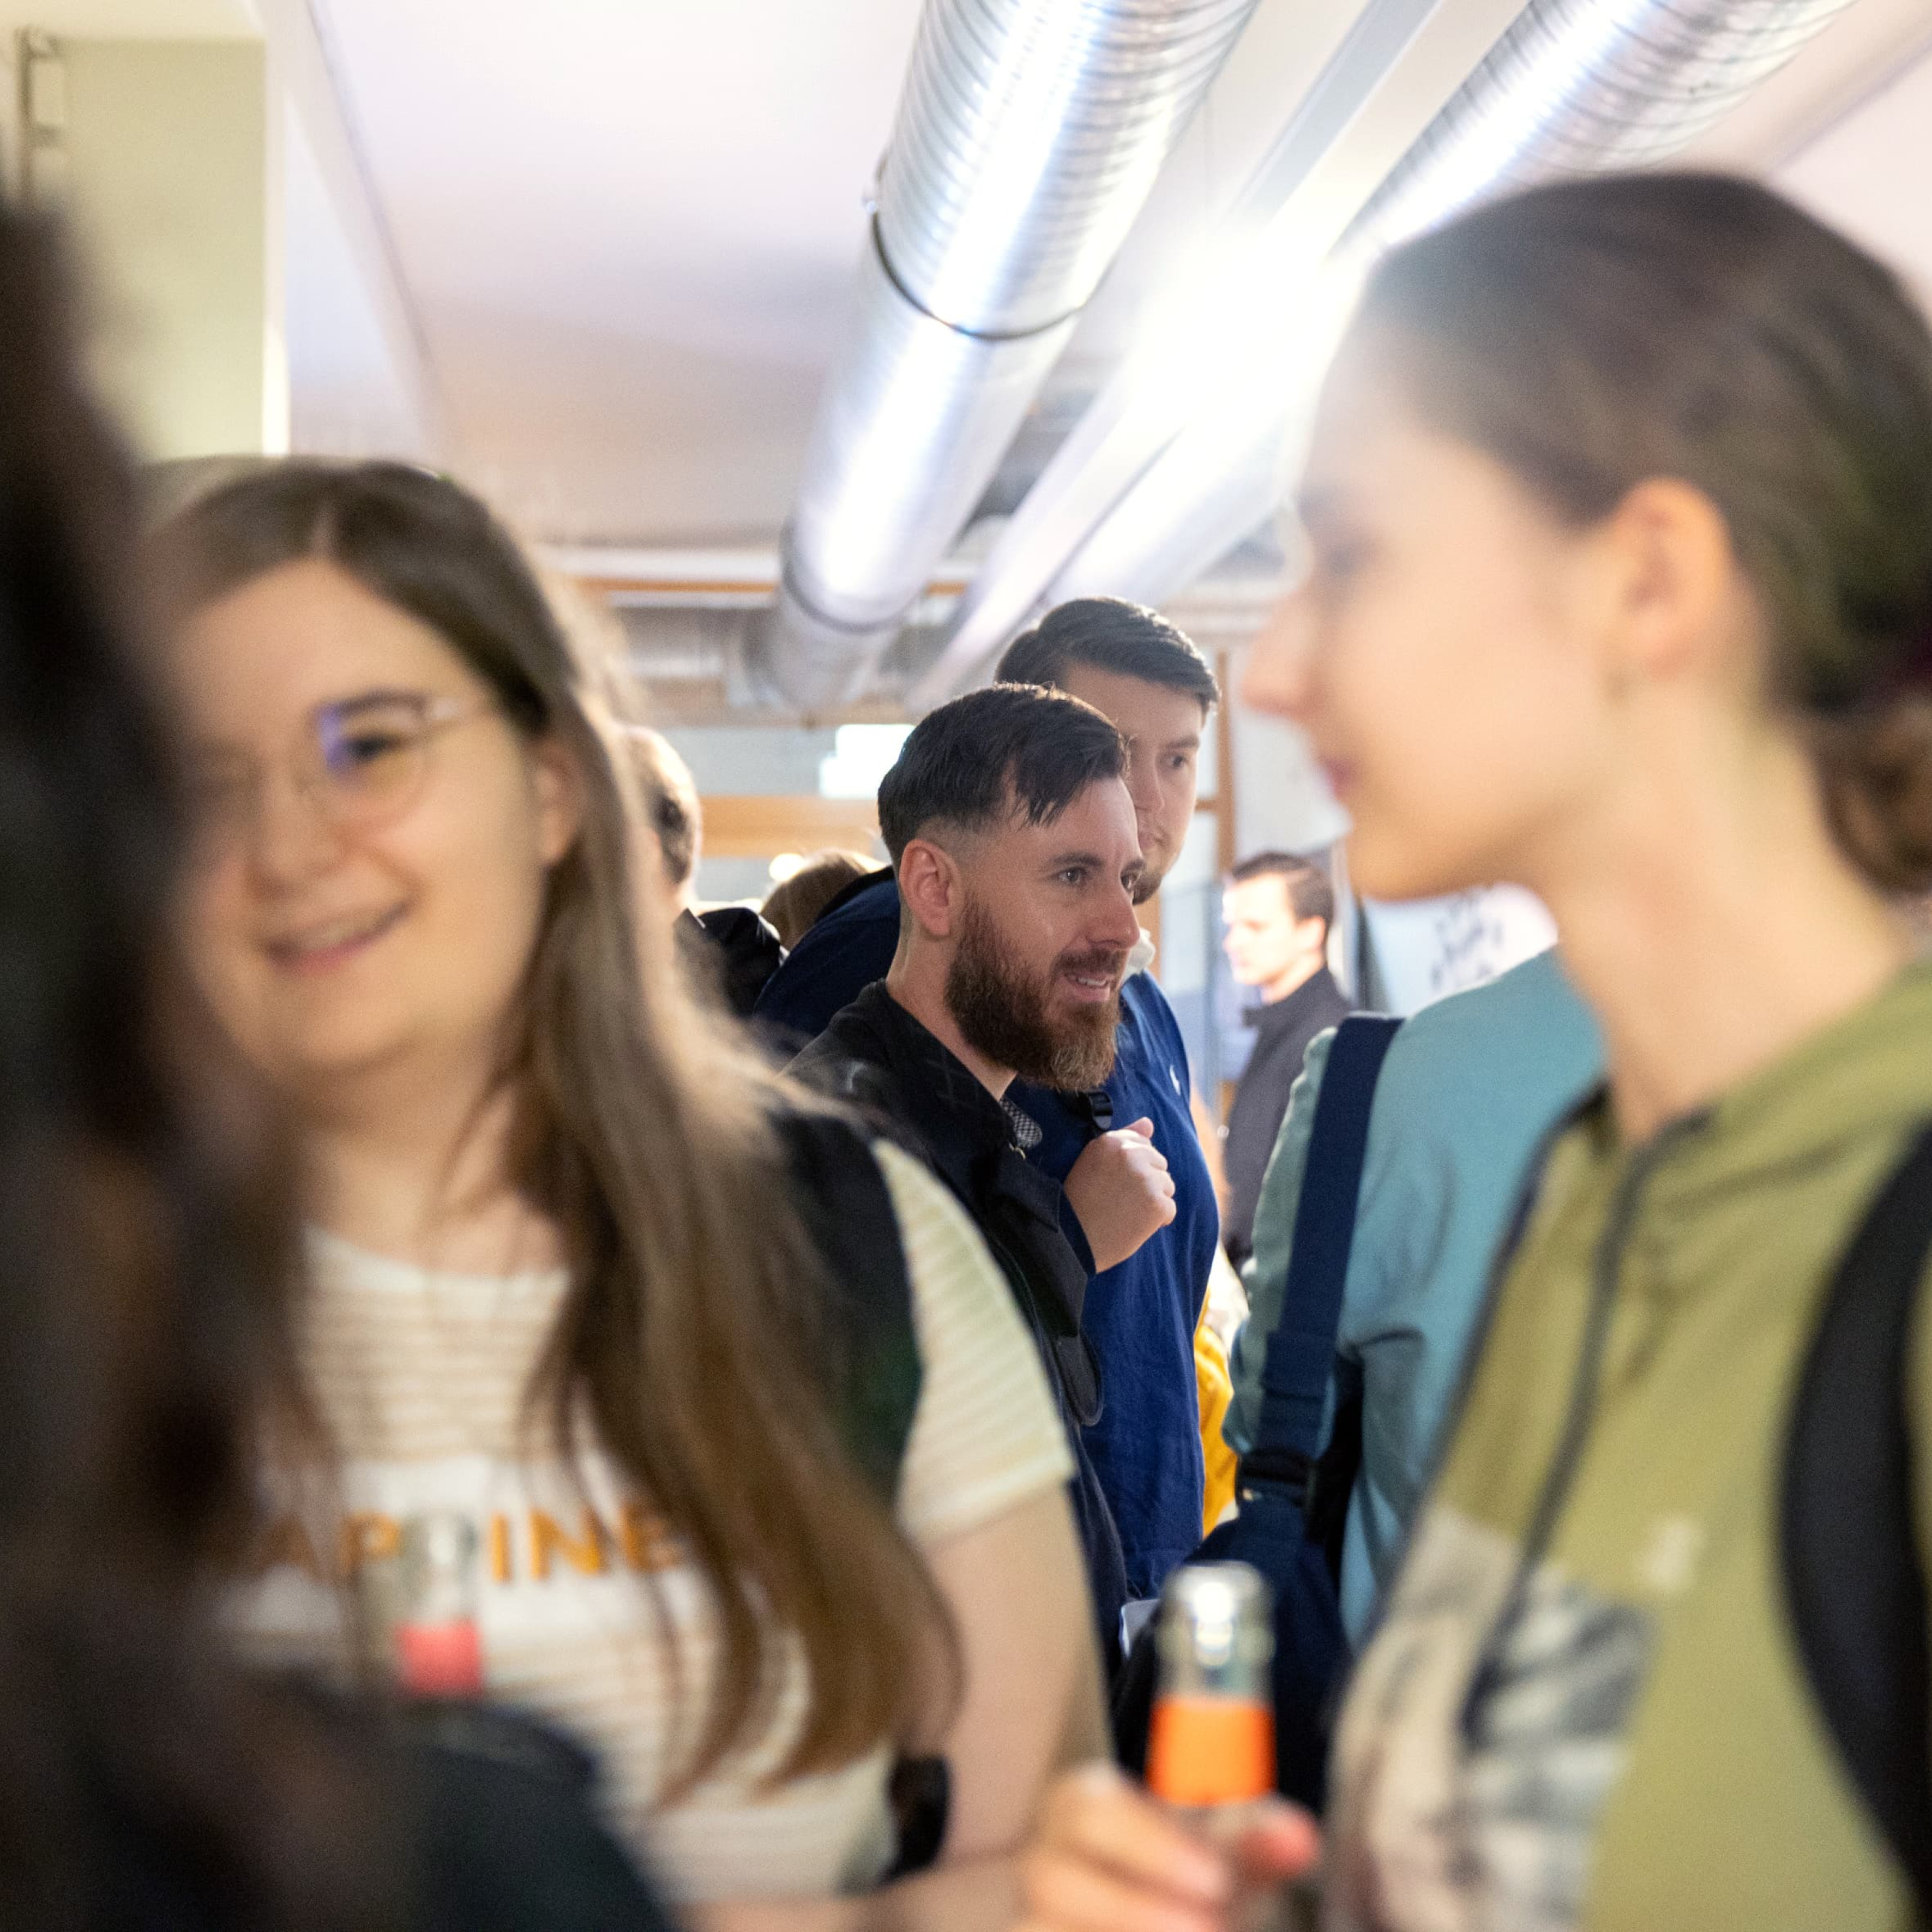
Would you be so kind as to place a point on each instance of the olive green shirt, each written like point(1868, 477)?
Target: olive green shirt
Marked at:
point(1621, 1737)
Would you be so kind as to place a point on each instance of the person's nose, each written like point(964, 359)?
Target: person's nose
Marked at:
point(289, 838)
point(1144, 787)
point(1121, 928)
point(1276, 679)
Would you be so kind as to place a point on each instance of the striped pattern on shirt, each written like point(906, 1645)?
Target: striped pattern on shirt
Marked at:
point(587, 1613)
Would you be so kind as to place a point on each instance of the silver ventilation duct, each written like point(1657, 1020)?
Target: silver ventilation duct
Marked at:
point(1028, 139)
point(1582, 87)
point(1574, 87)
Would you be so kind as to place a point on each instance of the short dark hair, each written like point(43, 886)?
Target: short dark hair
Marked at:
point(1310, 892)
point(1110, 634)
point(1010, 747)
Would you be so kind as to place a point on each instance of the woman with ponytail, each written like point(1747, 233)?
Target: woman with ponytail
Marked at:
point(1619, 509)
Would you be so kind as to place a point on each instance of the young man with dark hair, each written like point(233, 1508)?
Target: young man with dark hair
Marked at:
point(1139, 671)
point(1278, 909)
point(1144, 675)
point(1013, 835)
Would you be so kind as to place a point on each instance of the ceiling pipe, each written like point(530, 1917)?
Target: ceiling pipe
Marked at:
point(1028, 139)
point(1579, 87)
point(1573, 88)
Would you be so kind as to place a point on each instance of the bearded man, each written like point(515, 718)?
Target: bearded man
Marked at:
point(1012, 836)
point(1147, 679)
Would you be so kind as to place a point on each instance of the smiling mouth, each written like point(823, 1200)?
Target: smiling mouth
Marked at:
point(1094, 987)
point(319, 947)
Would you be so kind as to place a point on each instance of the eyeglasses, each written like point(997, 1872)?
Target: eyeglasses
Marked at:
point(361, 763)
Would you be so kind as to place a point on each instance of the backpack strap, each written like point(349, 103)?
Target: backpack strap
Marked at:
point(1301, 1355)
point(1849, 1542)
point(848, 1213)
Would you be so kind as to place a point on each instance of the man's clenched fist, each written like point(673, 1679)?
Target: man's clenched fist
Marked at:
point(1122, 1192)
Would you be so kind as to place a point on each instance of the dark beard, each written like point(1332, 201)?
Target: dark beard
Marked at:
point(1001, 1011)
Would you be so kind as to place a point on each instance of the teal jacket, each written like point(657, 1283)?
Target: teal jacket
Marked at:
point(1471, 1088)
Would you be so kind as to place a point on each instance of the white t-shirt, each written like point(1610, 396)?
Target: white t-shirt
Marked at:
point(421, 1376)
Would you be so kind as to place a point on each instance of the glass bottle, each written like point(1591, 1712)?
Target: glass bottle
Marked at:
point(1213, 1738)
point(1210, 1750)
point(437, 1647)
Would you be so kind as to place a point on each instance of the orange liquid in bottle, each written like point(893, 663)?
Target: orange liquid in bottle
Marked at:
point(1210, 1750)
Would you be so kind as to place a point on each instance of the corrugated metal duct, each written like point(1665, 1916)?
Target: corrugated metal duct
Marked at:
point(1583, 87)
point(1574, 87)
point(1029, 135)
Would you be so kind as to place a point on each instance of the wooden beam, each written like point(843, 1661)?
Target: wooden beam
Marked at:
point(1226, 806)
point(744, 826)
point(751, 591)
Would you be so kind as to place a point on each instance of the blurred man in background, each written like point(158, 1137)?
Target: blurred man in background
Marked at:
point(731, 949)
point(1278, 909)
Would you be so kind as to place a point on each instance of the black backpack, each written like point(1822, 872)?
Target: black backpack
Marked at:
point(509, 1834)
point(1855, 1583)
point(848, 1213)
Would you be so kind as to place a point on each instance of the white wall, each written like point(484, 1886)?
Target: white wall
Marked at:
point(171, 171)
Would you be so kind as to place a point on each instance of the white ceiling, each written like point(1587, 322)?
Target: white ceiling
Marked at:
point(631, 235)
point(1868, 172)
point(627, 229)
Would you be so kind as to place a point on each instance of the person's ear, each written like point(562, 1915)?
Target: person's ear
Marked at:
point(558, 786)
point(931, 888)
point(1674, 582)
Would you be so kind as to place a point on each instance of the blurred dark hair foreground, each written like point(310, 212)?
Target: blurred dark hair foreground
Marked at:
point(145, 1233)
point(146, 1254)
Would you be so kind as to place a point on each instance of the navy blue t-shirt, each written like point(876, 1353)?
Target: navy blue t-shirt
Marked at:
point(1140, 1317)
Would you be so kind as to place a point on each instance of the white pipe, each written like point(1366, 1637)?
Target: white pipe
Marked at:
point(1574, 87)
point(1028, 137)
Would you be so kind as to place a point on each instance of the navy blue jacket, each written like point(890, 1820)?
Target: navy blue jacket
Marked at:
point(1139, 1317)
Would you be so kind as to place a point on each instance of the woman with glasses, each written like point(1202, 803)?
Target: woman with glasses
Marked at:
point(562, 1288)
point(1619, 509)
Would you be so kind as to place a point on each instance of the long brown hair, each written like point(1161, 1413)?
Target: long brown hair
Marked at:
point(691, 1326)
point(1591, 334)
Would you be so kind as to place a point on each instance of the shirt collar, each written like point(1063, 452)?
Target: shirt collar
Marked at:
point(1316, 991)
point(1868, 1072)
point(948, 1103)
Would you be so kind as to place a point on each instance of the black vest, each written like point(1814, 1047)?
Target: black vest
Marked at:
point(876, 1056)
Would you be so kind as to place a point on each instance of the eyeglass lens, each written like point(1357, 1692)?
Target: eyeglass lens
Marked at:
point(357, 761)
